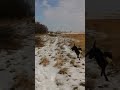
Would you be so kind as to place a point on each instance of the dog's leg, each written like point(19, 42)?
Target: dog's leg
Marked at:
point(105, 75)
point(78, 57)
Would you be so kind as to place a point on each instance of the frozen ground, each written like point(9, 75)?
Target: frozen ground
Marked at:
point(49, 77)
point(13, 62)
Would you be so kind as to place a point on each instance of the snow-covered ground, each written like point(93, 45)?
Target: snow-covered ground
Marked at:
point(49, 77)
point(96, 82)
point(19, 61)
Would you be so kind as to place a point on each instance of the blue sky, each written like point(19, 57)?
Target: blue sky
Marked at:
point(63, 15)
point(40, 8)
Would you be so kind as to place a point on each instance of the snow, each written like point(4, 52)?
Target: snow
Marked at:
point(13, 62)
point(48, 78)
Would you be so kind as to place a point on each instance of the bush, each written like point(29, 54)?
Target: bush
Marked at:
point(38, 42)
point(40, 28)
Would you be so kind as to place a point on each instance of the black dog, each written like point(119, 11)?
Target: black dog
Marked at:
point(74, 48)
point(100, 57)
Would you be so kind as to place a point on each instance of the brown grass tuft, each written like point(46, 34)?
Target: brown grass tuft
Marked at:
point(38, 42)
point(59, 61)
point(63, 71)
point(79, 39)
point(72, 62)
point(44, 61)
point(22, 82)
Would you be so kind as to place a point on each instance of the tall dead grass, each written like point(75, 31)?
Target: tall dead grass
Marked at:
point(38, 42)
point(9, 39)
point(44, 61)
point(23, 82)
point(59, 61)
point(77, 37)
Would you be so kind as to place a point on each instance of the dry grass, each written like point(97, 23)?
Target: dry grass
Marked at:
point(79, 39)
point(63, 71)
point(75, 88)
point(38, 42)
point(22, 82)
point(59, 62)
point(82, 84)
point(44, 61)
point(52, 35)
point(72, 62)
point(9, 39)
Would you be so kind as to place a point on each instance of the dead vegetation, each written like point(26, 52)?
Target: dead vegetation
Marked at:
point(72, 62)
point(82, 84)
point(10, 32)
point(23, 82)
point(59, 61)
point(75, 88)
point(44, 61)
point(52, 34)
point(9, 38)
point(63, 71)
point(79, 39)
point(40, 28)
point(38, 42)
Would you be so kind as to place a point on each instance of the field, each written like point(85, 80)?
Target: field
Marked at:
point(16, 55)
point(79, 37)
point(56, 65)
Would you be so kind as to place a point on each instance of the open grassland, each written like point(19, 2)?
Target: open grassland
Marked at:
point(79, 39)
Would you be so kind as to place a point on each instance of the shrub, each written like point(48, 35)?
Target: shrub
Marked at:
point(40, 28)
point(38, 42)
